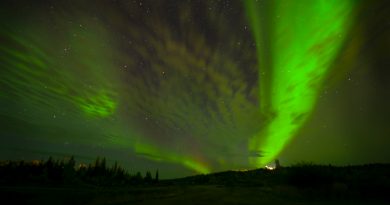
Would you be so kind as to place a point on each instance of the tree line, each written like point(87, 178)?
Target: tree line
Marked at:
point(56, 172)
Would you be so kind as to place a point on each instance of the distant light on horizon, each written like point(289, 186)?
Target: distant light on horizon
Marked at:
point(269, 167)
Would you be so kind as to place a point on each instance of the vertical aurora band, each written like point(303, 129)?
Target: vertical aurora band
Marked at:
point(297, 41)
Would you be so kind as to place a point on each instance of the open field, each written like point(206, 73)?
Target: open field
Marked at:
point(177, 194)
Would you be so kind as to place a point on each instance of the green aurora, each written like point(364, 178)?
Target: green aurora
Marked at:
point(182, 86)
point(297, 43)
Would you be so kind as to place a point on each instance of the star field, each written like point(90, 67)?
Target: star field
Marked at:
point(195, 86)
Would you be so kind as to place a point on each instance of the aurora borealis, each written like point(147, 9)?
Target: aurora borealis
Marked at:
point(306, 37)
point(195, 86)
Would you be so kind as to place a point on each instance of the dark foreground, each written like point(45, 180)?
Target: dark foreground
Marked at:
point(177, 194)
point(60, 183)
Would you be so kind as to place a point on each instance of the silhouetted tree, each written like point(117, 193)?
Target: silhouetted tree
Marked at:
point(103, 164)
point(137, 179)
point(148, 177)
point(115, 167)
point(69, 172)
point(64, 172)
point(156, 177)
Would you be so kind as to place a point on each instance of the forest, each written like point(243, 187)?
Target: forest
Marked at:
point(68, 172)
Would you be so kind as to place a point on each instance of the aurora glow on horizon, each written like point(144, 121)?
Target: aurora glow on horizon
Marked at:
point(190, 86)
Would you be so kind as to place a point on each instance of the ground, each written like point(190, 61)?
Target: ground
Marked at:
point(171, 194)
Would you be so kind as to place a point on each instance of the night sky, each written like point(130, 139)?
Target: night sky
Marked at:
point(196, 86)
